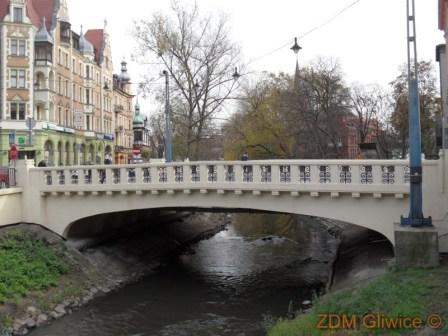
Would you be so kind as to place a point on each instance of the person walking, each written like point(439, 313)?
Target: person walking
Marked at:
point(244, 157)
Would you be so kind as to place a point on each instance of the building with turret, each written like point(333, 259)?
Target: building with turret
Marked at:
point(123, 115)
point(142, 140)
point(57, 89)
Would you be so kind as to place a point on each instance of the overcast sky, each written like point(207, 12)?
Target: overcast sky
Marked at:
point(369, 39)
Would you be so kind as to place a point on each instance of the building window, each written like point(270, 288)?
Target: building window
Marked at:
point(18, 47)
point(17, 111)
point(74, 92)
point(88, 96)
point(60, 115)
point(74, 66)
point(18, 79)
point(18, 14)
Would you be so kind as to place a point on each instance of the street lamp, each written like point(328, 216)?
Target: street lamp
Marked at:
point(296, 48)
point(416, 217)
point(236, 74)
point(168, 132)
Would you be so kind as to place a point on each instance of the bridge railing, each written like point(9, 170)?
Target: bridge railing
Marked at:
point(308, 175)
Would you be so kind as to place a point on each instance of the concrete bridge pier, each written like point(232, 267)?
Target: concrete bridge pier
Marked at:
point(416, 247)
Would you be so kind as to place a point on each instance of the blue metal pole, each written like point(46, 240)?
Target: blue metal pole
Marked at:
point(416, 217)
point(168, 133)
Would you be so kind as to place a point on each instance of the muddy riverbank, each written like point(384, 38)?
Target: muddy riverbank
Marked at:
point(98, 270)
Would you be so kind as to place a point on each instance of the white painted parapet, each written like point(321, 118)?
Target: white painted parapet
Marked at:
point(10, 206)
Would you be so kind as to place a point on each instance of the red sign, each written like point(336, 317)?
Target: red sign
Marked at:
point(13, 152)
point(136, 151)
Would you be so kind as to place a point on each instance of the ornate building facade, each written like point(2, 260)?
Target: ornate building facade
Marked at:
point(57, 93)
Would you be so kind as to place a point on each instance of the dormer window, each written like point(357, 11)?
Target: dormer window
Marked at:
point(18, 14)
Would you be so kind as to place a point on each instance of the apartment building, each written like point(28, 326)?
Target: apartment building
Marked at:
point(57, 93)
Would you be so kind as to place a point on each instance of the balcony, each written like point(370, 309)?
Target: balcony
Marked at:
point(43, 62)
point(118, 108)
point(43, 94)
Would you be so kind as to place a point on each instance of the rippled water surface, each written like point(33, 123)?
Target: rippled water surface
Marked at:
point(225, 287)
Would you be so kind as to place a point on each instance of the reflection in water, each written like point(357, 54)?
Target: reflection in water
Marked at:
point(225, 287)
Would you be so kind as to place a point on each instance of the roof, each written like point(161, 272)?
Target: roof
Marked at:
point(36, 10)
point(96, 37)
point(44, 8)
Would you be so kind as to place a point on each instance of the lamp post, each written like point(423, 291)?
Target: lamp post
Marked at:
point(168, 132)
point(416, 218)
point(296, 48)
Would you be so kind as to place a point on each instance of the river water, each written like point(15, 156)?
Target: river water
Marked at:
point(229, 284)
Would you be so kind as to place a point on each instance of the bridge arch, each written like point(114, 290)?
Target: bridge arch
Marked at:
point(103, 225)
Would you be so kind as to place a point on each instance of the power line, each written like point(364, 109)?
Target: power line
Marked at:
point(331, 19)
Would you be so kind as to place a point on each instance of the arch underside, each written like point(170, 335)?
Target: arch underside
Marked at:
point(375, 214)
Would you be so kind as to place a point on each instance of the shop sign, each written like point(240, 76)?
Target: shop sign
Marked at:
point(21, 140)
point(108, 136)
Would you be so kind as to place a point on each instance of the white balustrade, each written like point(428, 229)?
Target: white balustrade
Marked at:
point(344, 176)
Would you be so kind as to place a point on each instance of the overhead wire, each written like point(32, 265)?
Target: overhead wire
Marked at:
point(326, 22)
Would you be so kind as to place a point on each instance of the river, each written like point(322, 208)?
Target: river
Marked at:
point(230, 284)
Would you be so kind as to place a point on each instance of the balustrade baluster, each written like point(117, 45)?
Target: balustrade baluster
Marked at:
point(238, 170)
point(294, 173)
point(257, 173)
point(315, 174)
point(138, 175)
point(221, 173)
point(275, 174)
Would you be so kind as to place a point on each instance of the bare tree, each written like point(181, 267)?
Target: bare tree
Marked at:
point(368, 103)
point(199, 57)
point(322, 99)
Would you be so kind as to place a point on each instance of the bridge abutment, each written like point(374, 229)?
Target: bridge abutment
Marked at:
point(416, 247)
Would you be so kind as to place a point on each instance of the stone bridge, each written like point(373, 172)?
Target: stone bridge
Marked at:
point(368, 193)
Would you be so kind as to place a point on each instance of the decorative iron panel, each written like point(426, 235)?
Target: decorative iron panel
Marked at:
point(304, 174)
point(88, 176)
point(74, 176)
point(285, 174)
point(366, 175)
point(266, 174)
point(324, 174)
point(101, 175)
point(163, 174)
point(116, 176)
point(131, 175)
point(179, 174)
point(345, 174)
point(248, 175)
point(61, 177)
point(212, 172)
point(406, 175)
point(146, 175)
point(388, 174)
point(230, 173)
point(195, 174)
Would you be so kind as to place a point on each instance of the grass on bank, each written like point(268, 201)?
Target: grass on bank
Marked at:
point(28, 264)
point(405, 293)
